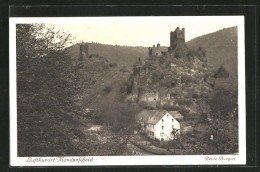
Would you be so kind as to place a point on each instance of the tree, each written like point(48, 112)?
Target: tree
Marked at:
point(39, 40)
point(223, 127)
point(175, 137)
point(222, 103)
point(44, 68)
point(46, 85)
point(225, 136)
point(202, 51)
point(203, 106)
point(41, 57)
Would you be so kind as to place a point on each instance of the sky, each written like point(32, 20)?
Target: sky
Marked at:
point(141, 31)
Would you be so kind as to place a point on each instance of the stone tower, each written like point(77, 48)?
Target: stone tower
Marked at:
point(83, 51)
point(176, 37)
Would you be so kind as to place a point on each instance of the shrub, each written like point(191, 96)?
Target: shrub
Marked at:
point(184, 112)
point(195, 95)
point(113, 65)
point(157, 76)
point(107, 89)
point(184, 101)
point(124, 69)
point(162, 60)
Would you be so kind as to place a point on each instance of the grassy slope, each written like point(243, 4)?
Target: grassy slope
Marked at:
point(113, 78)
point(221, 47)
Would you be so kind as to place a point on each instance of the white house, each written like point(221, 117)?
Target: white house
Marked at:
point(159, 124)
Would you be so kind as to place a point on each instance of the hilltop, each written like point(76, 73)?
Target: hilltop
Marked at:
point(188, 72)
point(220, 46)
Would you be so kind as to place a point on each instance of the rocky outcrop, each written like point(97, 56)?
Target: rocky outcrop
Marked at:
point(171, 83)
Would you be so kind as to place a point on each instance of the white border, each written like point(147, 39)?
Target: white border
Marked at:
point(129, 160)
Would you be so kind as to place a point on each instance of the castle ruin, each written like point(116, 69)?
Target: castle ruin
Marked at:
point(83, 53)
point(156, 51)
point(177, 47)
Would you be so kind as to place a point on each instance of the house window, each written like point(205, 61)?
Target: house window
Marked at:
point(162, 120)
point(167, 115)
point(172, 126)
point(162, 127)
point(172, 120)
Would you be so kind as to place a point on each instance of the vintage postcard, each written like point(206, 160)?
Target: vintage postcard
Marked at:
point(101, 91)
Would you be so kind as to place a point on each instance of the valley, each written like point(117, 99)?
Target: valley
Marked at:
point(88, 107)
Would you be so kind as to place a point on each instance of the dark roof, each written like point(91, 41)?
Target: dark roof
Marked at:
point(153, 116)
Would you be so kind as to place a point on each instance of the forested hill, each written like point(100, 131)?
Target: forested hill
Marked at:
point(220, 46)
point(122, 55)
point(221, 50)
